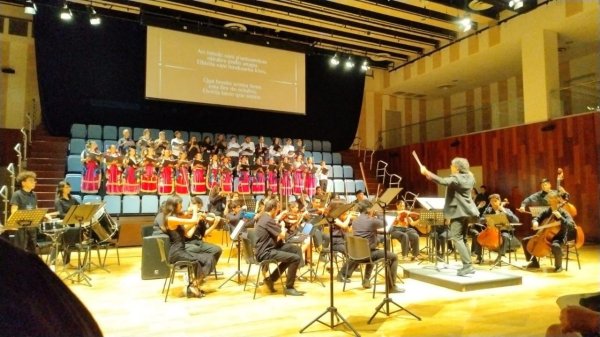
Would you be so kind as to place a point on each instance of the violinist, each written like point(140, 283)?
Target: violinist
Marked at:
point(172, 221)
point(508, 240)
point(196, 243)
point(404, 232)
point(560, 228)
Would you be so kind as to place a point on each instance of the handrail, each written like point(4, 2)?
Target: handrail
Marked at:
point(17, 149)
point(356, 144)
point(362, 173)
point(11, 169)
point(24, 144)
point(4, 195)
point(30, 116)
point(395, 180)
point(381, 170)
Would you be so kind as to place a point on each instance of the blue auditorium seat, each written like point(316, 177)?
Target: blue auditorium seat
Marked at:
point(76, 146)
point(185, 135)
point(308, 154)
point(113, 204)
point(336, 158)
point(94, 131)
point(149, 204)
point(349, 186)
point(338, 186)
point(317, 157)
point(131, 204)
point(77, 197)
point(204, 199)
point(93, 198)
point(185, 201)
point(137, 134)
point(169, 134)
point(74, 179)
point(327, 158)
point(360, 185)
point(316, 145)
point(329, 171)
point(109, 132)
point(329, 185)
point(108, 143)
point(78, 131)
point(338, 171)
point(307, 144)
point(74, 164)
point(326, 146)
point(348, 172)
point(154, 133)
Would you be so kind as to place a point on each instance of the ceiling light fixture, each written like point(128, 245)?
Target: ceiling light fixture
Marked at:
point(349, 63)
point(465, 24)
point(65, 13)
point(515, 4)
point(334, 61)
point(95, 19)
point(30, 7)
point(365, 66)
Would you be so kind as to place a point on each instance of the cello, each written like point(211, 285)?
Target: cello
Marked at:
point(540, 244)
point(490, 237)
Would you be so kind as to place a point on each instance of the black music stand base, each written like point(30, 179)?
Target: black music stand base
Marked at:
point(333, 314)
point(239, 271)
point(312, 275)
point(386, 302)
point(383, 202)
point(332, 310)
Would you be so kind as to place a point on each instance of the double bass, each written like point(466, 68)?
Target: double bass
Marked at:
point(570, 208)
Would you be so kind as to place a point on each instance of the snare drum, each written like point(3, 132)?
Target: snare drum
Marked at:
point(52, 226)
point(103, 226)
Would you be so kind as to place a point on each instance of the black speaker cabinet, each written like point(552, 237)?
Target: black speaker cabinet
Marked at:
point(154, 263)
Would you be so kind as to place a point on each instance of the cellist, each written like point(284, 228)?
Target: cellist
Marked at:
point(564, 229)
point(497, 207)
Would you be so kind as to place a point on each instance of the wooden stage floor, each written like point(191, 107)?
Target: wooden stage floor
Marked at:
point(125, 305)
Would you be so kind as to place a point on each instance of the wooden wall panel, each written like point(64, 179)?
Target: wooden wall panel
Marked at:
point(515, 159)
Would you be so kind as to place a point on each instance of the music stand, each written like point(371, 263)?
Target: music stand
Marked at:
point(332, 310)
point(382, 202)
point(500, 221)
point(25, 218)
point(235, 236)
point(77, 215)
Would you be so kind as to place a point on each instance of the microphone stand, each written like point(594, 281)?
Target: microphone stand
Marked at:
point(332, 310)
point(387, 300)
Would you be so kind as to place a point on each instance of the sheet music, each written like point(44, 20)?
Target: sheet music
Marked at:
point(431, 202)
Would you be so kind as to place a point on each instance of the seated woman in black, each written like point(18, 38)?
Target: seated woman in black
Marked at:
point(64, 200)
point(171, 222)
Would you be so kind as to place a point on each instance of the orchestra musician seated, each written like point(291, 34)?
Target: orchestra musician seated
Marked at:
point(367, 226)
point(173, 222)
point(404, 232)
point(508, 241)
point(557, 228)
point(206, 225)
point(270, 244)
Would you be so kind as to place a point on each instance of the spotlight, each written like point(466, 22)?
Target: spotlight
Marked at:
point(65, 13)
point(364, 66)
point(515, 4)
point(30, 7)
point(465, 24)
point(94, 17)
point(334, 61)
point(349, 64)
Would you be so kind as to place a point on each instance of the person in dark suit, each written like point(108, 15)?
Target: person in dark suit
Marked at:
point(459, 207)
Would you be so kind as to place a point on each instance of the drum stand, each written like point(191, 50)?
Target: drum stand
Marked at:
point(79, 274)
point(55, 234)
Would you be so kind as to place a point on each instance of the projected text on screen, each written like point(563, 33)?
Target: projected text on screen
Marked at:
point(193, 68)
